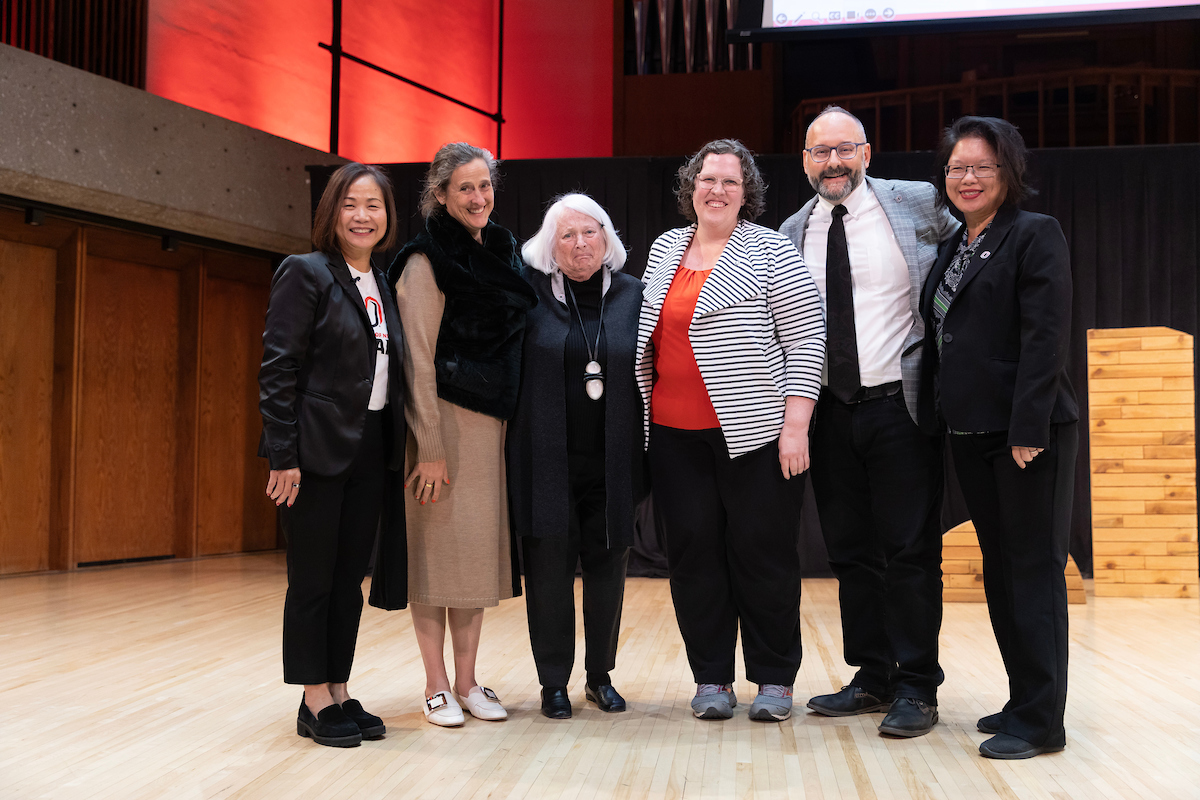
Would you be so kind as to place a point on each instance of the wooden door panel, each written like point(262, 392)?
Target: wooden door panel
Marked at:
point(27, 275)
point(234, 513)
point(126, 470)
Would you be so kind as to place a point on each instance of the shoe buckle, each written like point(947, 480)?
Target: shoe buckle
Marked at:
point(437, 701)
point(489, 694)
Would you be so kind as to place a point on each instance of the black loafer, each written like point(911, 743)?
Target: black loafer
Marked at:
point(909, 717)
point(555, 703)
point(849, 701)
point(604, 696)
point(369, 725)
point(1002, 745)
point(990, 723)
point(330, 727)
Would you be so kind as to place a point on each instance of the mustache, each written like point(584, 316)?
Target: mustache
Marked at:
point(835, 172)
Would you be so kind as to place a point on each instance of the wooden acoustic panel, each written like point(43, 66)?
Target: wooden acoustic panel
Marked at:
point(234, 514)
point(125, 503)
point(1141, 409)
point(962, 569)
point(27, 291)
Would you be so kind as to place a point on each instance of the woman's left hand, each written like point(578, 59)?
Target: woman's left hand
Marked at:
point(793, 438)
point(1023, 455)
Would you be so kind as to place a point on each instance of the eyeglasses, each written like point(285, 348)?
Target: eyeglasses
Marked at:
point(956, 172)
point(710, 183)
point(845, 150)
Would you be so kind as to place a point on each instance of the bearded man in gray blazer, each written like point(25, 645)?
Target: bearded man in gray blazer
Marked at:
point(877, 477)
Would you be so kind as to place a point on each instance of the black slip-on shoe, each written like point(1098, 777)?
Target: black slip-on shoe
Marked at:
point(1005, 746)
point(604, 696)
point(369, 725)
point(555, 703)
point(330, 727)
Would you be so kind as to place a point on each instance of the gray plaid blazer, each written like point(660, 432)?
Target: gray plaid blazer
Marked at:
point(920, 226)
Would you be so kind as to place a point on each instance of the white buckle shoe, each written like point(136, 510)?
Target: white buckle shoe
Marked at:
point(442, 709)
point(482, 703)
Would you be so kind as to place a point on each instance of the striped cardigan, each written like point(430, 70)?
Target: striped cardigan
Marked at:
point(758, 332)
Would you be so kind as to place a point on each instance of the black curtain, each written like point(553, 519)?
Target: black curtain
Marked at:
point(1130, 215)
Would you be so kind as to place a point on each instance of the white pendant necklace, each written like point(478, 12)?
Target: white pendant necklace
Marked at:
point(593, 377)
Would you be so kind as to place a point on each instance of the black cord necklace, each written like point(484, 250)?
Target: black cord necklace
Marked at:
point(593, 378)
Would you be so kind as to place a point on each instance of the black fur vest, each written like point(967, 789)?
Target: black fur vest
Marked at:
point(478, 356)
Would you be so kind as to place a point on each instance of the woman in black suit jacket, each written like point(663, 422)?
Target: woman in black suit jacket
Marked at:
point(332, 400)
point(997, 309)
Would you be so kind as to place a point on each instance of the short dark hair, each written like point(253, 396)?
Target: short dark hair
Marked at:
point(752, 180)
point(1004, 139)
point(325, 219)
point(449, 158)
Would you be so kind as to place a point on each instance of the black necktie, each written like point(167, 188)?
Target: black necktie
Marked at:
point(841, 346)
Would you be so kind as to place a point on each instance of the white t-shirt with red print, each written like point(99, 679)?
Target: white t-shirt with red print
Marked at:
point(368, 287)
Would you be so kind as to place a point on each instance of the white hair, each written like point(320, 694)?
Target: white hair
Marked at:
point(538, 252)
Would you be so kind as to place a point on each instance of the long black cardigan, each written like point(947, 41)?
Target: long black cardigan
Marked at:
point(537, 435)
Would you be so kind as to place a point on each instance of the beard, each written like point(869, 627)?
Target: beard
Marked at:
point(837, 195)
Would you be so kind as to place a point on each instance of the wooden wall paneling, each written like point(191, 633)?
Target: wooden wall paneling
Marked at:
point(1141, 421)
point(234, 514)
point(27, 298)
point(68, 329)
point(127, 467)
point(191, 314)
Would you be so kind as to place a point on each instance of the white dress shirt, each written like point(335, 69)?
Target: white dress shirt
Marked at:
point(882, 311)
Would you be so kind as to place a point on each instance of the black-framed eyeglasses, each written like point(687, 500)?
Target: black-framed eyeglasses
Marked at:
point(956, 172)
point(821, 152)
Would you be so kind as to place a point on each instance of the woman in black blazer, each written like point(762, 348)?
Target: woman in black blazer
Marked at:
point(997, 310)
point(332, 400)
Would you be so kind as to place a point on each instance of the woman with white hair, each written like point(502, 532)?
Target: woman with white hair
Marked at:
point(575, 471)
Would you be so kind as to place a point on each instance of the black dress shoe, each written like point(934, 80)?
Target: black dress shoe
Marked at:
point(849, 701)
point(369, 725)
point(909, 717)
point(990, 723)
point(555, 703)
point(1005, 746)
point(604, 696)
point(330, 727)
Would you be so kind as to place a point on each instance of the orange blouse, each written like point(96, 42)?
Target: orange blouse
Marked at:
point(679, 398)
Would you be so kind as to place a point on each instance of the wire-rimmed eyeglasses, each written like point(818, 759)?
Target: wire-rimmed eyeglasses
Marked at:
point(956, 172)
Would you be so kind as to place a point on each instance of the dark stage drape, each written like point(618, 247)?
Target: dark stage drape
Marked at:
point(1130, 215)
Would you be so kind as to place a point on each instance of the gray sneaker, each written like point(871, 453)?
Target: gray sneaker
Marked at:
point(773, 704)
point(714, 701)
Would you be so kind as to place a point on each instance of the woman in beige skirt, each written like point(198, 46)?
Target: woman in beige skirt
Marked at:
point(462, 304)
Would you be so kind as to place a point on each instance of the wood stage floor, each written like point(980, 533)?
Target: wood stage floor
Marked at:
point(163, 681)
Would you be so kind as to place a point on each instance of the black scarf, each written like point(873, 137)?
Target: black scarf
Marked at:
point(478, 356)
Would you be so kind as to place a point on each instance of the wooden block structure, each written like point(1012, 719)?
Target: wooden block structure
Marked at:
point(962, 569)
point(1141, 401)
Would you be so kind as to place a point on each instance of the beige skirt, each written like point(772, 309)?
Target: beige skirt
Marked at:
point(459, 551)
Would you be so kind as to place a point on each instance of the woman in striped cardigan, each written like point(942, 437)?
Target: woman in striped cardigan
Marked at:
point(730, 346)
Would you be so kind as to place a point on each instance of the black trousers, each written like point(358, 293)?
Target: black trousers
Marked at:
point(877, 480)
point(550, 583)
point(330, 531)
point(1023, 520)
point(731, 528)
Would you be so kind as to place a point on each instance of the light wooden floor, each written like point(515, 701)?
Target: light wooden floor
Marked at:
point(163, 681)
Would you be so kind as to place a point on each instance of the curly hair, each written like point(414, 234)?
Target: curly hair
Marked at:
point(1007, 143)
point(449, 158)
point(752, 180)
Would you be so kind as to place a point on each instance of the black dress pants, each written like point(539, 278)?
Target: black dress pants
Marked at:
point(330, 531)
point(877, 480)
point(550, 582)
point(1023, 520)
point(731, 528)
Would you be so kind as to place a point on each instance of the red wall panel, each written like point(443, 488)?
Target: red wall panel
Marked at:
point(259, 64)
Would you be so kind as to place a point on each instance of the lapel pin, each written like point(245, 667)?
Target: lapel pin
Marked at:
point(985, 254)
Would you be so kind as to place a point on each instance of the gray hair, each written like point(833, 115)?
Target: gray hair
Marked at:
point(449, 158)
point(831, 109)
point(538, 252)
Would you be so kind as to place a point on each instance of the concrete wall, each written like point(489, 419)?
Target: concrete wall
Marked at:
point(73, 139)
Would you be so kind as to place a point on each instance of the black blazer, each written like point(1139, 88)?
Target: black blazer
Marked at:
point(318, 366)
point(1006, 334)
